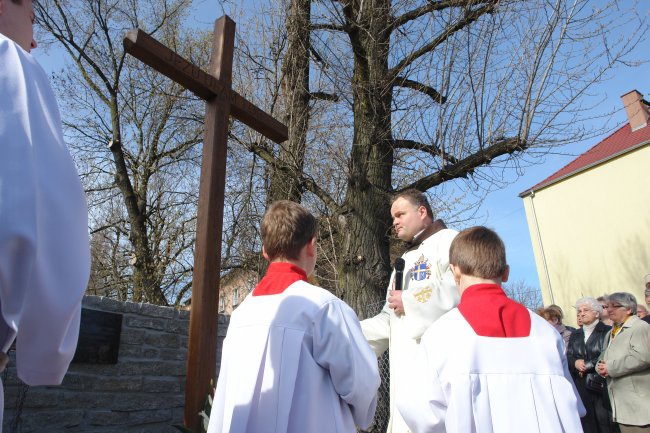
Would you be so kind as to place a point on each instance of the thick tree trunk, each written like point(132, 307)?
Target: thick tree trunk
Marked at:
point(145, 286)
point(284, 184)
point(364, 264)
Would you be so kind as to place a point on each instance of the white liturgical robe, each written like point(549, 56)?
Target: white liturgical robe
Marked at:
point(429, 292)
point(464, 383)
point(44, 247)
point(295, 362)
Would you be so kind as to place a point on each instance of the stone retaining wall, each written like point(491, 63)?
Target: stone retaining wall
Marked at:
point(143, 392)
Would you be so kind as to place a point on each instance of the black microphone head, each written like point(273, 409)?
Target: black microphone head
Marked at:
point(399, 264)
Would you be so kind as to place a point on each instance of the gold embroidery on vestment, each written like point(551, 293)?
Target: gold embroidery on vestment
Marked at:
point(423, 295)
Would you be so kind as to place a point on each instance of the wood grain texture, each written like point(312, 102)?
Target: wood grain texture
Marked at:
point(201, 355)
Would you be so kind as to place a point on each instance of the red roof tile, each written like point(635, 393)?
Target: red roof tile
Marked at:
point(621, 141)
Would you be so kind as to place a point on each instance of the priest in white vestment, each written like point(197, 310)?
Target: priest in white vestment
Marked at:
point(428, 291)
point(294, 358)
point(490, 365)
point(44, 247)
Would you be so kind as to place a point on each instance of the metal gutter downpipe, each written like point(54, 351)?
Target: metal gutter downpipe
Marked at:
point(541, 247)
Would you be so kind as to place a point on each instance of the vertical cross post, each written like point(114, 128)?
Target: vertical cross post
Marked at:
point(201, 357)
point(221, 102)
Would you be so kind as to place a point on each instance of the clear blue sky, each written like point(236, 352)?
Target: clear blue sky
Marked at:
point(503, 210)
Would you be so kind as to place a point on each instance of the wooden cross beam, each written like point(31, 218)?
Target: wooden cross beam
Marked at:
point(221, 102)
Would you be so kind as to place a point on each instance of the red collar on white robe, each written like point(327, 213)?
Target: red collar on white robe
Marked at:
point(491, 313)
point(279, 276)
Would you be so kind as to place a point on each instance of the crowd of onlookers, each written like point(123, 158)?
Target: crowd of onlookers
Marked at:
point(608, 357)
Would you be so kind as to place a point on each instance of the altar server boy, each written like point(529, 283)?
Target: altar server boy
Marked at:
point(44, 246)
point(294, 357)
point(489, 365)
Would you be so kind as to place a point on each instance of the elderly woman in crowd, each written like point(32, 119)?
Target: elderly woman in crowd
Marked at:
point(641, 311)
point(602, 300)
point(554, 315)
point(626, 364)
point(585, 346)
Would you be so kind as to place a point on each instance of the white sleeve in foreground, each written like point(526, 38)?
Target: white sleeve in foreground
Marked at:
point(341, 348)
point(421, 400)
point(376, 330)
point(44, 246)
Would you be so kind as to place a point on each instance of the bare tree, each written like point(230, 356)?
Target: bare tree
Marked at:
point(379, 96)
point(295, 74)
point(135, 137)
point(432, 92)
point(526, 295)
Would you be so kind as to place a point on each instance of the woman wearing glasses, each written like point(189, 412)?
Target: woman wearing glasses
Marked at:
point(585, 346)
point(626, 364)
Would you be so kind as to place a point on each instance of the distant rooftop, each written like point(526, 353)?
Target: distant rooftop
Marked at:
point(632, 135)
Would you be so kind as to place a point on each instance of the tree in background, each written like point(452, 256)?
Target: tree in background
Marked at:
point(379, 96)
point(135, 136)
point(431, 92)
point(528, 296)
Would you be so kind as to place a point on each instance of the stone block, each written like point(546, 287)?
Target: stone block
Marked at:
point(106, 418)
point(96, 369)
point(118, 384)
point(173, 354)
point(178, 327)
point(51, 420)
point(177, 415)
point(122, 402)
point(162, 340)
point(153, 368)
point(130, 351)
point(108, 304)
point(133, 336)
point(146, 323)
point(91, 301)
point(149, 416)
point(157, 311)
point(36, 397)
point(161, 385)
point(150, 353)
point(91, 400)
point(149, 402)
point(164, 428)
point(76, 381)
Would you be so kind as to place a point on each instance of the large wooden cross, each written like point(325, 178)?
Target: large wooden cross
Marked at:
point(221, 102)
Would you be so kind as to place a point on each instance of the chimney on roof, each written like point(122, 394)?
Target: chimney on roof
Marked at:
point(637, 109)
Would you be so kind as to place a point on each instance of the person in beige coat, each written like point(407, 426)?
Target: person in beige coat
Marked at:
point(626, 365)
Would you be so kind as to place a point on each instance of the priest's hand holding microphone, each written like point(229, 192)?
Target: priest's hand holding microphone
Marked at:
point(395, 295)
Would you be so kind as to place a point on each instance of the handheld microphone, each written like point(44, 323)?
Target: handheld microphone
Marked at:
point(399, 273)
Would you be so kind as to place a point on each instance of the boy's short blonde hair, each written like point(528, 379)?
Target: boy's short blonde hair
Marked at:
point(479, 252)
point(286, 228)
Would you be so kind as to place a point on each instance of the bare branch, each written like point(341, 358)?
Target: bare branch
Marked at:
point(323, 96)
point(468, 18)
point(467, 165)
point(329, 27)
point(420, 87)
point(311, 185)
point(431, 6)
point(430, 149)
